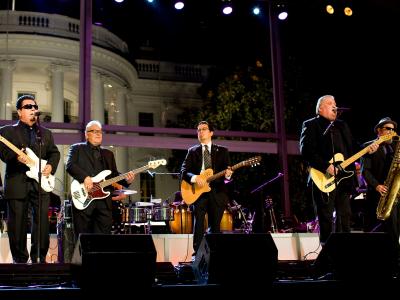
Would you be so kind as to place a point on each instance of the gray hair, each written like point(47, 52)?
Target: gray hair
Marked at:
point(93, 122)
point(319, 102)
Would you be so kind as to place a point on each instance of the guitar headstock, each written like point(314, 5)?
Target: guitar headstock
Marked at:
point(156, 163)
point(386, 137)
point(254, 161)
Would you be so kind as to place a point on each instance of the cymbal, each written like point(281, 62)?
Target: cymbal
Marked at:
point(123, 192)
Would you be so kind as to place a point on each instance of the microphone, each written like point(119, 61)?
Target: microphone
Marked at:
point(341, 109)
point(38, 113)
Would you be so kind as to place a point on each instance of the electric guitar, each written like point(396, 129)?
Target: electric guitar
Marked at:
point(191, 192)
point(326, 182)
point(47, 182)
point(81, 197)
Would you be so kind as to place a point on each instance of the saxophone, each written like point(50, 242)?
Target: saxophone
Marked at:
point(392, 182)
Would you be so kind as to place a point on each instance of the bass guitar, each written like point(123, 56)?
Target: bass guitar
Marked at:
point(191, 192)
point(326, 182)
point(47, 182)
point(81, 197)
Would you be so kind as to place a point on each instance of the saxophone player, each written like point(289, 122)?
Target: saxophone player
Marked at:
point(375, 168)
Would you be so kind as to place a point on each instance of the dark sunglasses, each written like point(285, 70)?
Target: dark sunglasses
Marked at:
point(388, 128)
point(29, 106)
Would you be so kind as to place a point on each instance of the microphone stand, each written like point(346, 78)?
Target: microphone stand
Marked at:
point(39, 140)
point(261, 207)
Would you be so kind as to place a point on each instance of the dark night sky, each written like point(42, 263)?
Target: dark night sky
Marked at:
point(356, 59)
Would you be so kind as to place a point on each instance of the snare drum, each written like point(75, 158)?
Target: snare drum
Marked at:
point(134, 215)
point(163, 214)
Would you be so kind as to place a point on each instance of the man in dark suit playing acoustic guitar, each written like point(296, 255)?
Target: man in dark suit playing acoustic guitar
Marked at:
point(21, 189)
point(327, 145)
point(194, 172)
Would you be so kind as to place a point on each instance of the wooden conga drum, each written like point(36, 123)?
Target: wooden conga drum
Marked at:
point(183, 222)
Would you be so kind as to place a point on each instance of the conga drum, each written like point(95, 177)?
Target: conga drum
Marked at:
point(226, 222)
point(182, 222)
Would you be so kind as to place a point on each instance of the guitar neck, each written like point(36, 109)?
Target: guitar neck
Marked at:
point(11, 146)
point(356, 156)
point(220, 174)
point(122, 176)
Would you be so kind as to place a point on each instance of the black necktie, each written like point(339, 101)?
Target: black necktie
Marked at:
point(206, 158)
point(32, 137)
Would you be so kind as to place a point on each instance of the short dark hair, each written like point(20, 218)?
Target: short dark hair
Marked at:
point(18, 105)
point(210, 127)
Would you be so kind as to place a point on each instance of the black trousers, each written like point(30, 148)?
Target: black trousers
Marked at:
point(206, 204)
point(22, 214)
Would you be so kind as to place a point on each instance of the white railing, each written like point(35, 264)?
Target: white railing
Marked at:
point(56, 25)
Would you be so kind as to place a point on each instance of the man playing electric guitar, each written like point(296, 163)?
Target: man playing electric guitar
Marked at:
point(203, 156)
point(85, 161)
point(21, 190)
point(321, 138)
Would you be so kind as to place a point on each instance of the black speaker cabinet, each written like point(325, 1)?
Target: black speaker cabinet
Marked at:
point(358, 256)
point(236, 260)
point(105, 260)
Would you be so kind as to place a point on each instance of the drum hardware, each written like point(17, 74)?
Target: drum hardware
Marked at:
point(247, 224)
point(124, 192)
point(270, 207)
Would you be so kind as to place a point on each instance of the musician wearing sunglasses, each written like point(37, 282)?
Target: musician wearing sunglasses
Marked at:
point(378, 170)
point(19, 149)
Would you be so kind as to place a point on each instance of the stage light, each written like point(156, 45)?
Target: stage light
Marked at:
point(256, 11)
point(282, 12)
point(179, 5)
point(348, 11)
point(329, 9)
point(226, 7)
point(119, 1)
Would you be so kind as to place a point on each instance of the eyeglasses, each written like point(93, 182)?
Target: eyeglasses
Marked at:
point(202, 129)
point(30, 106)
point(95, 131)
point(388, 128)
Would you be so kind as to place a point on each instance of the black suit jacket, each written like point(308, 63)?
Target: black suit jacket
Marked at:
point(80, 164)
point(220, 162)
point(375, 167)
point(316, 147)
point(16, 181)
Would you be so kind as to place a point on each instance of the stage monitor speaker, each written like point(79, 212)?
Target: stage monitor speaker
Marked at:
point(358, 256)
point(105, 260)
point(236, 260)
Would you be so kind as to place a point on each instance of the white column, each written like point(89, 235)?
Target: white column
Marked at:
point(6, 67)
point(57, 89)
point(120, 119)
point(57, 115)
point(98, 97)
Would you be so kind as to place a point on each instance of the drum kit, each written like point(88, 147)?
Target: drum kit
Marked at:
point(177, 217)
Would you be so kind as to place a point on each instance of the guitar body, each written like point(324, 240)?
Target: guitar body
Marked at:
point(191, 192)
point(82, 198)
point(47, 182)
point(326, 182)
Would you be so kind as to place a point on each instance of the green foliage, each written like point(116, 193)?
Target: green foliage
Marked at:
point(243, 101)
